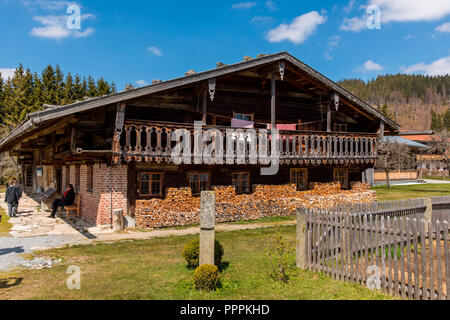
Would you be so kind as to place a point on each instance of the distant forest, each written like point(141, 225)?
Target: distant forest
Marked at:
point(417, 102)
point(27, 92)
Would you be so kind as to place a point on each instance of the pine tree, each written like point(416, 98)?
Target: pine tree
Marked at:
point(92, 88)
point(69, 91)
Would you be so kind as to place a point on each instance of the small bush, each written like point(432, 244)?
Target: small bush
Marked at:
point(191, 253)
point(207, 277)
point(279, 259)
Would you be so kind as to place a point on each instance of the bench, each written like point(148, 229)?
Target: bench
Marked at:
point(74, 209)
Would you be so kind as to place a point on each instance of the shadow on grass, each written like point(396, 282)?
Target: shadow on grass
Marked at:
point(9, 283)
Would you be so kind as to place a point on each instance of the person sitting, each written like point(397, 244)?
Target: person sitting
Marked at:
point(67, 200)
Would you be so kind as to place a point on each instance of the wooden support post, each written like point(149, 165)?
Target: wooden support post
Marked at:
point(207, 227)
point(428, 216)
point(273, 103)
point(120, 120)
point(329, 119)
point(205, 107)
point(381, 131)
point(301, 244)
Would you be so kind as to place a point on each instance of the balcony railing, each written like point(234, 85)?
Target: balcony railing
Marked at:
point(152, 142)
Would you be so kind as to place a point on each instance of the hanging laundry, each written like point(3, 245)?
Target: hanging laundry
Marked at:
point(237, 123)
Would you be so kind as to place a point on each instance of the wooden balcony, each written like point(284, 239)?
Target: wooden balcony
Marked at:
point(151, 142)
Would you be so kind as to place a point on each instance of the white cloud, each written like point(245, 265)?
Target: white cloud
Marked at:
point(7, 73)
point(262, 19)
point(349, 7)
point(48, 4)
point(155, 50)
point(370, 66)
point(436, 68)
point(244, 5)
point(141, 83)
point(299, 30)
point(333, 43)
point(445, 28)
point(355, 24)
point(412, 10)
point(54, 27)
point(271, 5)
point(400, 11)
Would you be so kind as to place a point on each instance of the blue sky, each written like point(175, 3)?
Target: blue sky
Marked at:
point(138, 41)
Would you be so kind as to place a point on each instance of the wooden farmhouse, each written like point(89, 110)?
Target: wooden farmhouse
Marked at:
point(117, 149)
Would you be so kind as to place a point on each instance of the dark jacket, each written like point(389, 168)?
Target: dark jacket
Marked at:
point(69, 199)
point(13, 195)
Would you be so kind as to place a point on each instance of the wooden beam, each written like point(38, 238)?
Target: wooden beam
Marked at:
point(120, 120)
point(204, 107)
point(381, 131)
point(329, 118)
point(273, 103)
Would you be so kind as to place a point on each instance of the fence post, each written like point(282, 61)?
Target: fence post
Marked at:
point(301, 245)
point(207, 227)
point(428, 212)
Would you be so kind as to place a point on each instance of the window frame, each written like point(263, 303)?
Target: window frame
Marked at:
point(346, 171)
point(241, 173)
point(189, 173)
point(161, 181)
point(295, 170)
point(251, 115)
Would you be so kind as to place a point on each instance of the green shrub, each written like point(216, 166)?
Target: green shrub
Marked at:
point(279, 258)
point(191, 253)
point(207, 277)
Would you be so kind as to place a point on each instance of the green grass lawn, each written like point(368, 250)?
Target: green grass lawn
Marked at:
point(155, 269)
point(412, 191)
point(5, 226)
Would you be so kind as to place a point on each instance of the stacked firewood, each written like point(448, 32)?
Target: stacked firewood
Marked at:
point(360, 187)
point(180, 208)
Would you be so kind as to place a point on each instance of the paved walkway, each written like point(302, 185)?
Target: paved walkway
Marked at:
point(33, 230)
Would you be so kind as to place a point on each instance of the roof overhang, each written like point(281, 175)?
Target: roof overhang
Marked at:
point(37, 118)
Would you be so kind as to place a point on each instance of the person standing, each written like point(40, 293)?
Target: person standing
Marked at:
point(12, 198)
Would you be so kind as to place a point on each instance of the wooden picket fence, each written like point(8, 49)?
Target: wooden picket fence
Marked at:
point(387, 246)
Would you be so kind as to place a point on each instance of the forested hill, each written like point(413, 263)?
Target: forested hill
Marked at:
point(27, 92)
point(417, 102)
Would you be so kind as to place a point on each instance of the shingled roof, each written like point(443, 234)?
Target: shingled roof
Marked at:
point(36, 118)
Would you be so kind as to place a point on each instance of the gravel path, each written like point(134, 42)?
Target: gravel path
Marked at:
point(12, 249)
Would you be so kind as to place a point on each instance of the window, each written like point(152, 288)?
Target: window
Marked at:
point(151, 184)
point(341, 175)
point(244, 116)
point(241, 181)
point(299, 177)
point(29, 177)
point(338, 127)
point(199, 181)
point(90, 179)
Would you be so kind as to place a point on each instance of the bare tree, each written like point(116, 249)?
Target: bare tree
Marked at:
point(394, 156)
point(440, 145)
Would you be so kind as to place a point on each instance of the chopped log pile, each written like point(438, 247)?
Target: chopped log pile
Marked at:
point(180, 208)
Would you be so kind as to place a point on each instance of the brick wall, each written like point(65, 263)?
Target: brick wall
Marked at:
point(96, 205)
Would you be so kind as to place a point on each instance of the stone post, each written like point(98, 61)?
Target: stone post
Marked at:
point(207, 227)
point(428, 216)
point(301, 245)
point(118, 220)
